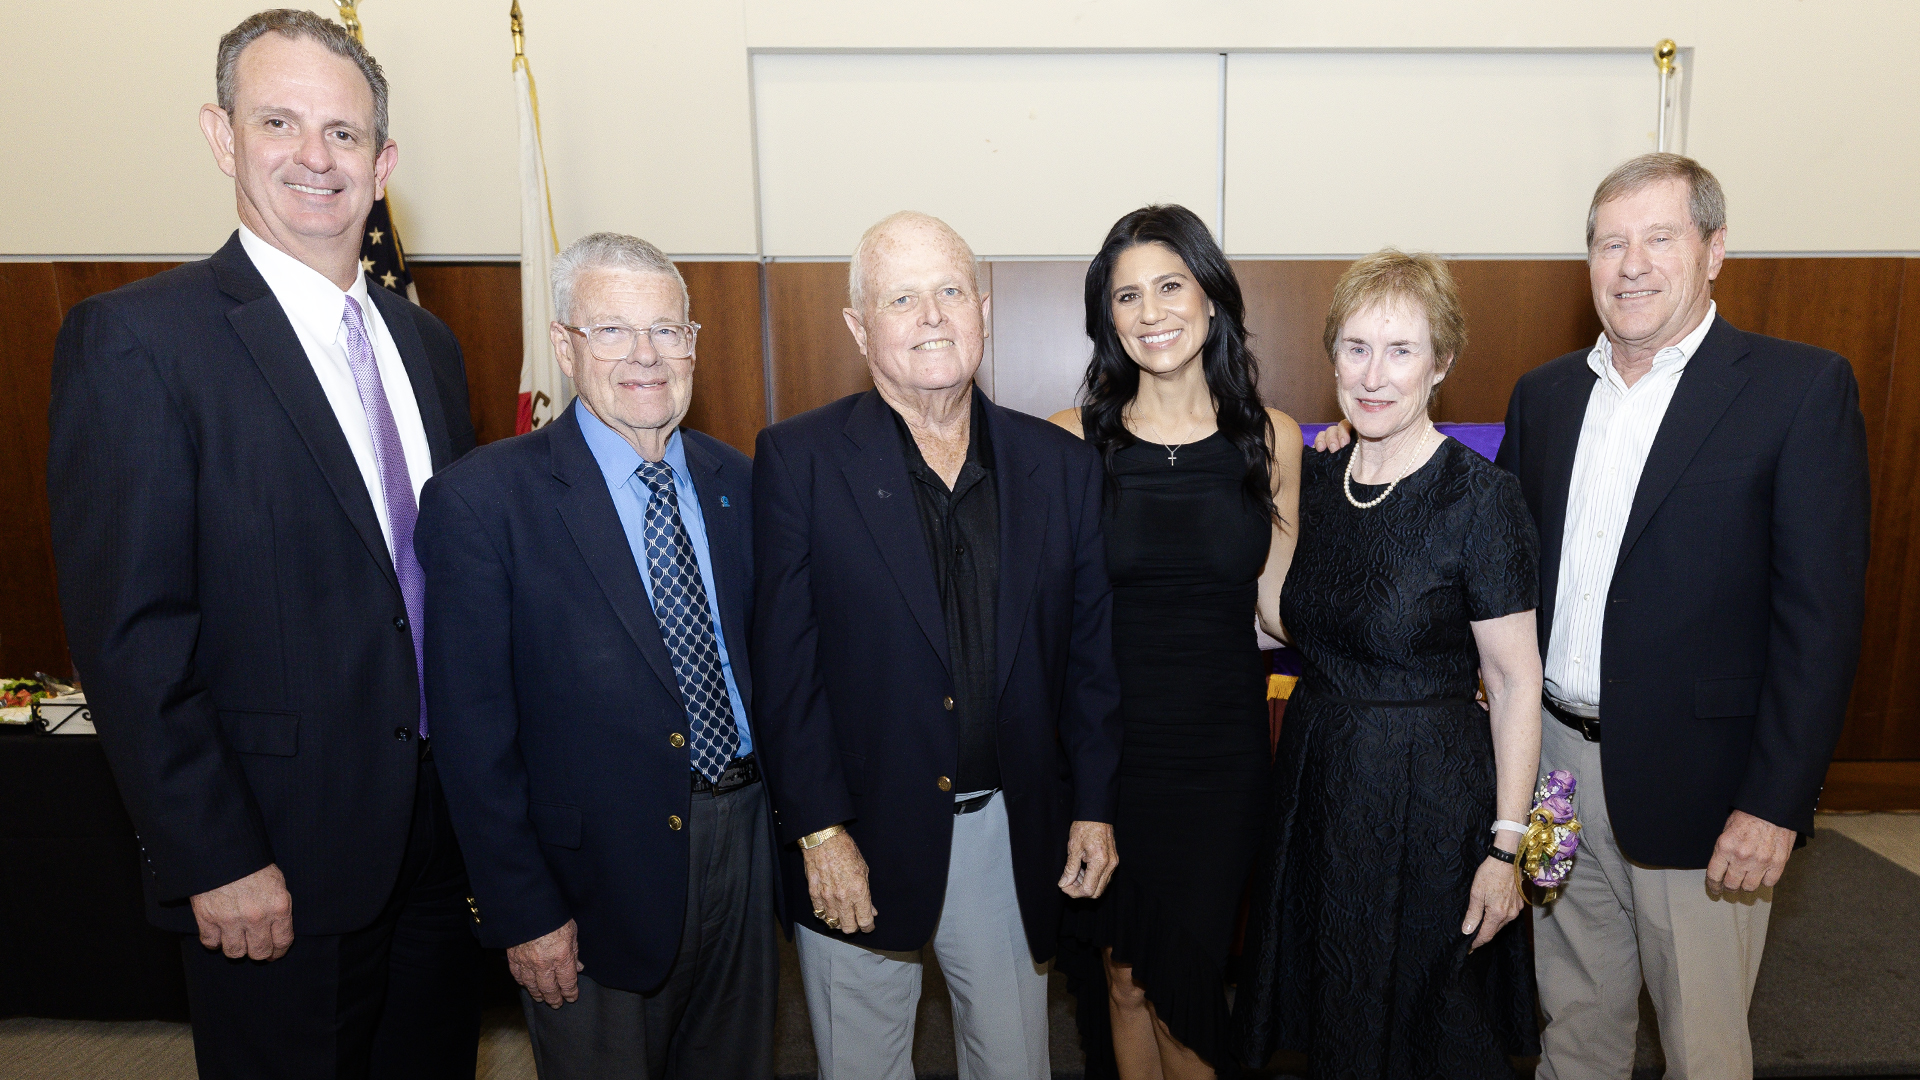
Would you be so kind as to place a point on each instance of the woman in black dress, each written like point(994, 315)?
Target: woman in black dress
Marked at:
point(1380, 942)
point(1199, 530)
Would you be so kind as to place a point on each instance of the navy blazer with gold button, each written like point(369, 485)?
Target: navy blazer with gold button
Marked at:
point(850, 658)
point(558, 723)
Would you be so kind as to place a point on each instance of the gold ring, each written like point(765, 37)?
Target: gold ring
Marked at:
point(819, 913)
point(832, 923)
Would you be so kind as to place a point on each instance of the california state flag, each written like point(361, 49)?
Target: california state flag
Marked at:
point(544, 390)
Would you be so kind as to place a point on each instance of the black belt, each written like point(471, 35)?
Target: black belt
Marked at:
point(1587, 726)
point(740, 772)
point(978, 802)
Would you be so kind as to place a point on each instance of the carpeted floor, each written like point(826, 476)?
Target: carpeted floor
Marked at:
point(1838, 996)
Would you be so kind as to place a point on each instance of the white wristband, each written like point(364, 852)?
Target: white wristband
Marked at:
point(1503, 825)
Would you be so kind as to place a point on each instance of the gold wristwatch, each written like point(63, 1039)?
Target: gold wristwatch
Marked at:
point(815, 839)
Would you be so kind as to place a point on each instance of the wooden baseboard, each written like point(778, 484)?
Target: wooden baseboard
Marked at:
point(1872, 785)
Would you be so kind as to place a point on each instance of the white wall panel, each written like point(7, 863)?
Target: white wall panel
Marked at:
point(1027, 154)
point(1467, 153)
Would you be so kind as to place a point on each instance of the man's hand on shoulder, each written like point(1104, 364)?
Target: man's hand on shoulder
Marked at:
point(1333, 437)
point(1750, 855)
point(251, 917)
point(549, 966)
point(1091, 858)
point(837, 882)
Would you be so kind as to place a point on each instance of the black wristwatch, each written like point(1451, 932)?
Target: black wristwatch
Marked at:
point(1507, 857)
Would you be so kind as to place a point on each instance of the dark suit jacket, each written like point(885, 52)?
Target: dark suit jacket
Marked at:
point(553, 697)
point(228, 594)
point(850, 658)
point(1733, 622)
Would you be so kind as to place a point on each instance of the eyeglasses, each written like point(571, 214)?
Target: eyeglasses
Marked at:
point(670, 341)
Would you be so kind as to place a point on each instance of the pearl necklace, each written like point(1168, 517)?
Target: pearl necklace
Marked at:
point(1346, 481)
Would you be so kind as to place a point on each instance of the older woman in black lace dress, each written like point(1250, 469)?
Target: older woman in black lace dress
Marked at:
point(1381, 942)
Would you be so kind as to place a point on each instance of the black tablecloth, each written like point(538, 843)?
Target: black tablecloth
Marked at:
point(76, 940)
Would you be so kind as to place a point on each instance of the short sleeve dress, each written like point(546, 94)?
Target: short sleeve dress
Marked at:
point(1384, 784)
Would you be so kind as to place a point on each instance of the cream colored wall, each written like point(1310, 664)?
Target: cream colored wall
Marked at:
point(1803, 109)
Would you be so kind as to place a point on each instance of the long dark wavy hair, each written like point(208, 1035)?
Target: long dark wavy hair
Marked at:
point(1233, 375)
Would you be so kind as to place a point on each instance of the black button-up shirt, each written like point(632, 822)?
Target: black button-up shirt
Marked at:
point(962, 527)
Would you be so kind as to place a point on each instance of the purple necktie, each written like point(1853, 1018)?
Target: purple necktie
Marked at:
point(396, 485)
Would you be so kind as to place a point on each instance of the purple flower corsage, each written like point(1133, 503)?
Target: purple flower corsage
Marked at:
point(1552, 837)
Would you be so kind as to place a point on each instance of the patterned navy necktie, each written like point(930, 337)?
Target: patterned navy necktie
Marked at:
point(680, 605)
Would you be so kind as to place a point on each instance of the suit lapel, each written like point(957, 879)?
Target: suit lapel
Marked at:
point(413, 353)
point(877, 474)
point(587, 510)
point(1707, 386)
point(726, 551)
point(1559, 437)
point(1023, 528)
point(263, 328)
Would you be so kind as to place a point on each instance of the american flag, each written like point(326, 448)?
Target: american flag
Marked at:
point(381, 255)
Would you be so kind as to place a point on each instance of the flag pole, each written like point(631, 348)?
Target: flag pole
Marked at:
point(544, 388)
point(383, 233)
point(1663, 57)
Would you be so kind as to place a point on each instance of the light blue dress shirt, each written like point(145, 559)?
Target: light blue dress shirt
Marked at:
point(619, 461)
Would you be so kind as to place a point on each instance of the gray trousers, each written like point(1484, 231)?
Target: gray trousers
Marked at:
point(1618, 922)
point(862, 1001)
point(713, 1017)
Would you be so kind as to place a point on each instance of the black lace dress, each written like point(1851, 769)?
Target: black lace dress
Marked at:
point(1384, 784)
point(1185, 549)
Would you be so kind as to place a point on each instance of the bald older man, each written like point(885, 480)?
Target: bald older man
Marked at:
point(937, 704)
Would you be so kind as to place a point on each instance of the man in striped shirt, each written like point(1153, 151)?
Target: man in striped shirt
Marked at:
point(1702, 499)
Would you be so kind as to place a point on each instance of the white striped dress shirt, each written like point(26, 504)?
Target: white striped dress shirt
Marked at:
point(1618, 432)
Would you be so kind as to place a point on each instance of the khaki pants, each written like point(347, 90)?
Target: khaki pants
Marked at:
point(1618, 922)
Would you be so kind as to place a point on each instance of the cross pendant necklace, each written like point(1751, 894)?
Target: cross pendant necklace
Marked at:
point(1170, 450)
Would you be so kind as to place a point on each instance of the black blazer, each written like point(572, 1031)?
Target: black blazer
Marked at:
point(553, 698)
point(1732, 625)
point(228, 595)
point(850, 658)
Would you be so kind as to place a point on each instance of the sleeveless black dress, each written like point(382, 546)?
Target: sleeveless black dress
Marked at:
point(1384, 784)
point(1185, 548)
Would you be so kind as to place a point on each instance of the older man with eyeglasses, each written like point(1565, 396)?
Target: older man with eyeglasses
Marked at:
point(590, 585)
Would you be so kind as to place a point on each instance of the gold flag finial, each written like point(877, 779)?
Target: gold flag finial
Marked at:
point(1663, 55)
point(519, 31)
point(350, 18)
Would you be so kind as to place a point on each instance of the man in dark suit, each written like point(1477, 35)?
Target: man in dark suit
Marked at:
point(236, 449)
point(933, 661)
point(1701, 494)
point(590, 590)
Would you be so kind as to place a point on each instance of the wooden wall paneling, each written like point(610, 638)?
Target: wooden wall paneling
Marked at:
point(814, 358)
point(1853, 306)
point(1872, 785)
point(31, 638)
point(1884, 721)
point(1286, 303)
point(480, 303)
point(1039, 348)
point(79, 280)
point(1520, 314)
point(730, 378)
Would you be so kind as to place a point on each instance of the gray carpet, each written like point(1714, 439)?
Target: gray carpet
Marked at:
point(1838, 996)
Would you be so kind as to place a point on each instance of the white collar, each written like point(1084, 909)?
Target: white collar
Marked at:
point(1673, 358)
point(315, 305)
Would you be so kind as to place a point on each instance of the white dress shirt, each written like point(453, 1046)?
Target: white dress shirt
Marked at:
point(317, 309)
point(1618, 432)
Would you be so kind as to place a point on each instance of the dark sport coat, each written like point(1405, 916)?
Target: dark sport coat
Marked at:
point(855, 702)
point(228, 594)
point(1732, 625)
point(553, 697)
